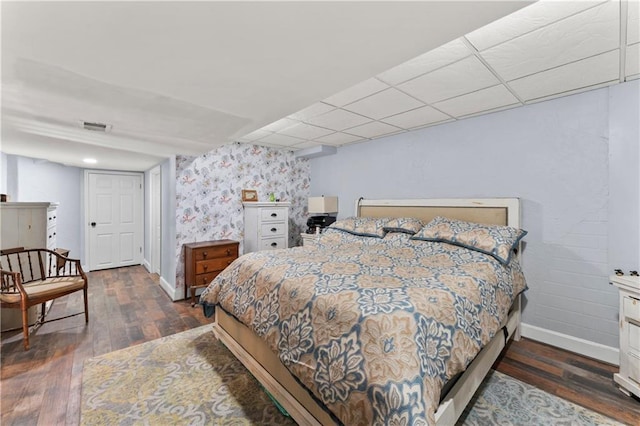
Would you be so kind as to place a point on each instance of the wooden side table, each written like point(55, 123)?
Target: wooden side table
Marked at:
point(203, 261)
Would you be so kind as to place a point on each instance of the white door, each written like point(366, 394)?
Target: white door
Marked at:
point(114, 217)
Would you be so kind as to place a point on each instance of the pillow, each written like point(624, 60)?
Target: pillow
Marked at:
point(408, 225)
point(494, 240)
point(363, 226)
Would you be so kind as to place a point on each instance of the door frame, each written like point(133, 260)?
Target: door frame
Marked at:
point(87, 224)
point(155, 202)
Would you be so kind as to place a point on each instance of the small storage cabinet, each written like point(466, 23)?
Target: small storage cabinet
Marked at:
point(266, 226)
point(629, 376)
point(309, 240)
point(203, 261)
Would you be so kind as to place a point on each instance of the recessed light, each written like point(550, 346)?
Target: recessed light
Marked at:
point(90, 160)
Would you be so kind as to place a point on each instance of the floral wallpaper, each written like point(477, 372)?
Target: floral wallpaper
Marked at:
point(209, 189)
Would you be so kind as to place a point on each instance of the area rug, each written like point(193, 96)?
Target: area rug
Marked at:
point(191, 378)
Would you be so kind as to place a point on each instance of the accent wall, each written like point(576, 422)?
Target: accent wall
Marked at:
point(209, 187)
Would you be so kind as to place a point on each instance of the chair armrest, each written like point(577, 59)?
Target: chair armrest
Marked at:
point(65, 266)
point(11, 282)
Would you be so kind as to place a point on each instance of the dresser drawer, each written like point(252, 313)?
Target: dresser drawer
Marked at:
point(268, 230)
point(273, 214)
point(203, 280)
point(212, 265)
point(633, 352)
point(631, 308)
point(206, 253)
point(272, 244)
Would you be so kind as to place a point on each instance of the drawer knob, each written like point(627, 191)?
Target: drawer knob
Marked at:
point(205, 267)
point(274, 229)
point(204, 254)
point(228, 252)
point(274, 244)
point(274, 214)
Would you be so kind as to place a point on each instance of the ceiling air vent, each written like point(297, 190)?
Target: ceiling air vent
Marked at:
point(96, 127)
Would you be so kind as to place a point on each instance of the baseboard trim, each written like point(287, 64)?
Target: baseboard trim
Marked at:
point(147, 265)
point(168, 288)
point(584, 347)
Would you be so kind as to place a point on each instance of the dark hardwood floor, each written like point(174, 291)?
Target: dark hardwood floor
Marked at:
point(127, 306)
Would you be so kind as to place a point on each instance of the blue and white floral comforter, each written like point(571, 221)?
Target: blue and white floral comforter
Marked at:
point(372, 327)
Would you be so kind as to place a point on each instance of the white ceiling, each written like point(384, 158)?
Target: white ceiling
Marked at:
point(182, 78)
point(545, 50)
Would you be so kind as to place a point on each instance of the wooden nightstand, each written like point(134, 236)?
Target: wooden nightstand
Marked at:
point(204, 261)
point(309, 240)
point(629, 377)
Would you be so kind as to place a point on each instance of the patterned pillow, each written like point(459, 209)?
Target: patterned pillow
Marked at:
point(497, 241)
point(408, 225)
point(364, 226)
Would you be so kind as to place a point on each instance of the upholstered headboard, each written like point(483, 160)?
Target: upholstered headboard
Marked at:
point(491, 211)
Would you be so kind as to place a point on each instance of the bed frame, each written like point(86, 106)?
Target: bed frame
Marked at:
point(297, 401)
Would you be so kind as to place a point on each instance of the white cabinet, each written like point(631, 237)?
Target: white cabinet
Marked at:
point(309, 240)
point(266, 226)
point(30, 225)
point(629, 376)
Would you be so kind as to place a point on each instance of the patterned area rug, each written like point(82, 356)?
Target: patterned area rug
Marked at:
point(191, 378)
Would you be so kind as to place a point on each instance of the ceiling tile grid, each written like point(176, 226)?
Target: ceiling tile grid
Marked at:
point(542, 51)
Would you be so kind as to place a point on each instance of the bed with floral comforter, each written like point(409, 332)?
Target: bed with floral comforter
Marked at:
point(373, 326)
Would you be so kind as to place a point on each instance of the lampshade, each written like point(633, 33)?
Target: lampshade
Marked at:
point(323, 204)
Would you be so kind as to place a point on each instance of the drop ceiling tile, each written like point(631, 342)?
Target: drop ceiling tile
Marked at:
point(373, 130)
point(383, 104)
point(632, 65)
point(314, 110)
point(305, 131)
point(283, 123)
point(464, 76)
point(581, 74)
point(338, 119)
point(525, 20)
point(417, 118)
point(482, 100)
point(434, 59)
point(338, 138)
point(281, 140)
point(592, 32)
point(359, 91)
point(633, 22)
point(255, 135)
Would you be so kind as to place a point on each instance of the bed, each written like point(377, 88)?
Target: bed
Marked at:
point(385, 319)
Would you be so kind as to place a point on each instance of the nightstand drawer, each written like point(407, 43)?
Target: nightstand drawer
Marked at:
point(272, 229)
point(272, 244)
point(631, 308)
point(207, 253)
point(273, 214)
point(212, 265)
point(203, 280)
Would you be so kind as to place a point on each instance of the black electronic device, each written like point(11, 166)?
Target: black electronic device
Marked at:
point(321, 222)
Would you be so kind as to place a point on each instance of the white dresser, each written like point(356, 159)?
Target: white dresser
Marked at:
point(266, 226)
point(30, 225)
point(629, 376)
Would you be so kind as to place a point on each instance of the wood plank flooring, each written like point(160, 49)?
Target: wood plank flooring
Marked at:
point(127, 306)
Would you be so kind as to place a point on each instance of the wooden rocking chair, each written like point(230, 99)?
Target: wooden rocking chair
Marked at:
point(31, 277)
